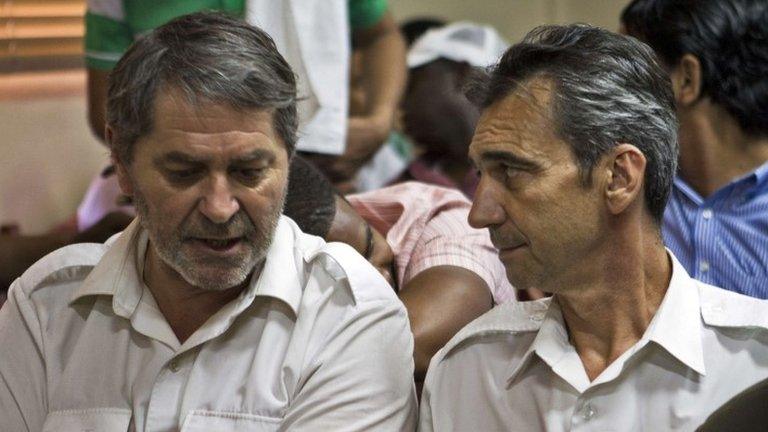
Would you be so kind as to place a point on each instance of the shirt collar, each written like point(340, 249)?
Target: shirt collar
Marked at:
point(761, 179)
point(119, 272)
point(676, 327)
point(553, 347)
point(281, 276)
point(747, 186)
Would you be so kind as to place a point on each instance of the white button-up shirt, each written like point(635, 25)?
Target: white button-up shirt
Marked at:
point(514, 369)
point(317, 342)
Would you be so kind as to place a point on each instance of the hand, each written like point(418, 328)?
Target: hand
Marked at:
point(365, 135)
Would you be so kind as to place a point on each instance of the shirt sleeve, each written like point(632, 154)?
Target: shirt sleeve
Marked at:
point(107, 36)
point(362, 377)
point(448, 240)
point(365, 13)
point(22, 370)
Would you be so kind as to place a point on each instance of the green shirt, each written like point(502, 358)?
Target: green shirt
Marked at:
point(107, 38)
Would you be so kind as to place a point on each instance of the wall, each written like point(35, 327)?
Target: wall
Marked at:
point(513, 18)
point(48, 155)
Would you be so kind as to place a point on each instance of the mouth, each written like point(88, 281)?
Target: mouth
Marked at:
point(219, 245)
point(507, 251)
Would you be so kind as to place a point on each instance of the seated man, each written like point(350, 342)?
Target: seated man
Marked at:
point(211, 311)
point(577, 150)
point(445, 272)
point(717, 54)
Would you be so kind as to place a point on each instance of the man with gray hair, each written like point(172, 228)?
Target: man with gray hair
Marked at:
point(211, 311)
point(577, 150)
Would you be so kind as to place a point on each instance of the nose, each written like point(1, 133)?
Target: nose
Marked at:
point(486, 206)
point(218, 203)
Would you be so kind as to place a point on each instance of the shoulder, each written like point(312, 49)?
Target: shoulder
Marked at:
point(365, 283)
point(517, 318)
point(344, 265)
point(723, 308)
point(69, 264)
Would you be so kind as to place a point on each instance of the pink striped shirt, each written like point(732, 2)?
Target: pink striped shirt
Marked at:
point(426, 226)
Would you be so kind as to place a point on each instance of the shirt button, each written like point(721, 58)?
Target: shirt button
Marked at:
point(537, 317)
point(706, 214)
point(704, 266)
point(588, 412)
point(174, 365)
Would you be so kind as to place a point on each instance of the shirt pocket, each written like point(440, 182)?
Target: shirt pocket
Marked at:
point(206, 421)
point(91, 420)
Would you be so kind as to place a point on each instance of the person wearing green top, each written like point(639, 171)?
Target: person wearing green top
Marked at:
point(112, 25)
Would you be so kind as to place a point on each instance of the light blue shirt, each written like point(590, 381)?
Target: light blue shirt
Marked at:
point(722, 240)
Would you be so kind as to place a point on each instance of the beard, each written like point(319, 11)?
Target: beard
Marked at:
point(212, 272)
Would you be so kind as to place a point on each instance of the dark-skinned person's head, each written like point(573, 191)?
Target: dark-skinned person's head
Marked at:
point(318, 209)
point(201, 121)
point(436, 113)
point(576, 143)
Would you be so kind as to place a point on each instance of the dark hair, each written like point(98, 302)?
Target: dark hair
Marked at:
point(209, 57)
point(415, 27)
point(730, 39)
point(310, 200)
point(608, 89)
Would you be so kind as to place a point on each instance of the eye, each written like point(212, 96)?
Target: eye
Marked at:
point(183, 175)
point(248, 174)
point(510, 171)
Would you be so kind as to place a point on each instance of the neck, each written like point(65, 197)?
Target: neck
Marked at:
point(185, 306)
point(714, 150)
point(609, 311)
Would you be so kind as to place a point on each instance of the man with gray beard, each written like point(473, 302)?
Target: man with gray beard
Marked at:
point(211, 311)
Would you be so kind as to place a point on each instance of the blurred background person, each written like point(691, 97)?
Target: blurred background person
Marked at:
point(716, 52)
point(436, 114)
point(445, 272)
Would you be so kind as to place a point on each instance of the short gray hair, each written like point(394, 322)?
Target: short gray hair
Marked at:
point(609, 89)
point(209, 57)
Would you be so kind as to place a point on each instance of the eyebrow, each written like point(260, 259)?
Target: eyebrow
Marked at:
point(509, 158)
point(256, 155)
point(184, 158)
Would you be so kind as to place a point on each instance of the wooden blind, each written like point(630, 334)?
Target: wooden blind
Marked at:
point(41, 34)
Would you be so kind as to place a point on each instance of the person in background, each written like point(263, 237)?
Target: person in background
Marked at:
point(445, 272)
point(314, 36)
point(577, 150)
point(392, 159)
point(18, 252)
point(744, 413)
point(717, 56)
point(211, 311)
point(436, 114)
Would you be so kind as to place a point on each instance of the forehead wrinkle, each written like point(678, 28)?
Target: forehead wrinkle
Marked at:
point(518, 124)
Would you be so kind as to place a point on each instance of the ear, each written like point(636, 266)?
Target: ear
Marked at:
point(686, 80)
point(625, 174)
point(123, 179)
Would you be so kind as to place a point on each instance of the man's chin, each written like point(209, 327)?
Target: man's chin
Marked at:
point(216, 280)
